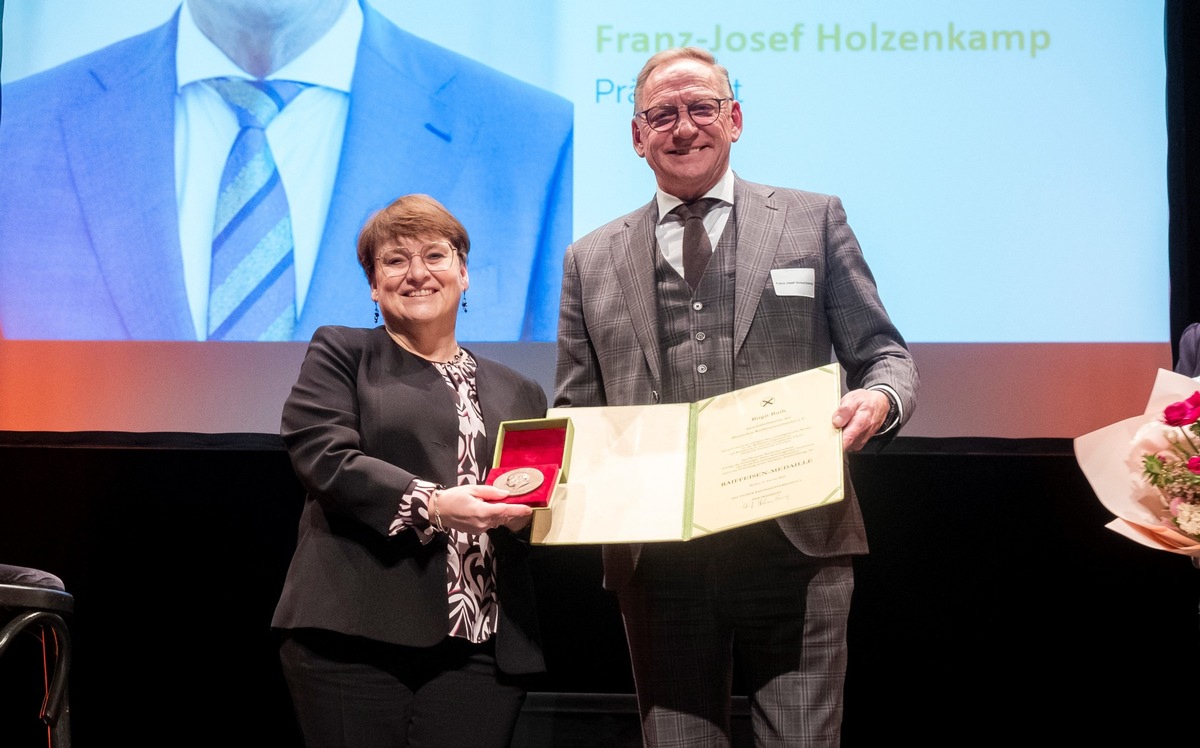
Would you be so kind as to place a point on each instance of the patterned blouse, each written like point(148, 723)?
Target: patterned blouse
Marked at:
point(470, 582)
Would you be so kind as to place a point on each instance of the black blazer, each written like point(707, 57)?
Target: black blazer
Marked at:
point(362, 421)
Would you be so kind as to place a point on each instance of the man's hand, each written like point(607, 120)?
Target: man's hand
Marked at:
point(860, 415)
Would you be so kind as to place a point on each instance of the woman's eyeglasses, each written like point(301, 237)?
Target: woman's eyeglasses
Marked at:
point(437, 256)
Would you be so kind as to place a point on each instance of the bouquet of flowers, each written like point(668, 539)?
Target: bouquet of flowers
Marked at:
point(1146, 469)
point(1171, 462)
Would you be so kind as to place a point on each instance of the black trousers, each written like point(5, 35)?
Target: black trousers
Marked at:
point(356, 693)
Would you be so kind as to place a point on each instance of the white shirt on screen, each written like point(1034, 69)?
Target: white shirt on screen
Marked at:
point(305, 139)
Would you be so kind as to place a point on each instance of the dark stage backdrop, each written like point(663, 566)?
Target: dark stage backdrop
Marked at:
point(994, 601)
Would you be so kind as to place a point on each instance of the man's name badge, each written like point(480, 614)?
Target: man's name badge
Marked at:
point(794, 282)
point(520, 481)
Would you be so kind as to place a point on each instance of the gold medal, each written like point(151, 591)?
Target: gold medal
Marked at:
point(520, 481)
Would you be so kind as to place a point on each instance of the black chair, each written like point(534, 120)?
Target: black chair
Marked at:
point(35, 602)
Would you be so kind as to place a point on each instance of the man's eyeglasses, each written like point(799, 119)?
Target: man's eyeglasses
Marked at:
point(437, 256)
point(702, 112)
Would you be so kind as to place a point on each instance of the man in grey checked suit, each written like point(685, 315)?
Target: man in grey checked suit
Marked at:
point(786, 289)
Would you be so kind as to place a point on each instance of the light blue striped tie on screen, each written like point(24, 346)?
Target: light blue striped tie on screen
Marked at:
point(252, 289)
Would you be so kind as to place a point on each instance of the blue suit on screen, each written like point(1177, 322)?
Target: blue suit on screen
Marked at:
point(89, 231)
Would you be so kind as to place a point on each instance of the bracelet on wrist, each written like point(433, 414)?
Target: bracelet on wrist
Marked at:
point(437, 515)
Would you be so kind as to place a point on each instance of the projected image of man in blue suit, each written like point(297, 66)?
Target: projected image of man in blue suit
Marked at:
point(113, 162)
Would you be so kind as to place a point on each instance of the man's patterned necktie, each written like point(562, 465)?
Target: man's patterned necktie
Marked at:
point(697, 249)
point(252, 288)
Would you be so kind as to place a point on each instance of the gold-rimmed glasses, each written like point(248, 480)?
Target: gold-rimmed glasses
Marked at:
point(437, 256)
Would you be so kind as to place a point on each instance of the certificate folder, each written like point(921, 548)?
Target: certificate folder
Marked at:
point(651, 473)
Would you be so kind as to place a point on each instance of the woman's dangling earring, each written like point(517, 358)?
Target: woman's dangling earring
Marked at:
point(377, 314)
point(464, 302)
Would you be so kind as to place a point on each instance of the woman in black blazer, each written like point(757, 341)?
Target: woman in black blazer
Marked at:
point(407, 615)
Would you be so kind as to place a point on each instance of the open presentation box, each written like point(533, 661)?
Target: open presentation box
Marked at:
point(532, 459)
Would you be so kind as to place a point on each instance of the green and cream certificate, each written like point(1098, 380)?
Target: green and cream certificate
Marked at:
point(650, 473)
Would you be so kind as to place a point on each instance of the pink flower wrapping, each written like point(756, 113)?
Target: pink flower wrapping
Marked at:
point(1144, 469)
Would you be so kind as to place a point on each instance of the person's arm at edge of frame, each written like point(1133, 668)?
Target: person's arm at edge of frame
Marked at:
point(881, 373)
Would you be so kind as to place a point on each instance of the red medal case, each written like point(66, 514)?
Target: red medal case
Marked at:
point(541, 444)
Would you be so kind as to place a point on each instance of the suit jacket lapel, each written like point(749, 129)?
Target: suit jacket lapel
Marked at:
point(760, 221)
point(423, 139)
point(126, 185)
point(633, 260)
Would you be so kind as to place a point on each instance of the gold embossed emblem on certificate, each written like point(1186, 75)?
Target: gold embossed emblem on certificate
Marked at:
point(520, 481)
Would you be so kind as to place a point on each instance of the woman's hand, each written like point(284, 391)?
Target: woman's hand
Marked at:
point(475, 509)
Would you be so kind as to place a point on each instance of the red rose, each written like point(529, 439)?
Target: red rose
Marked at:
point(1184, 413)
point(1193, 464)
